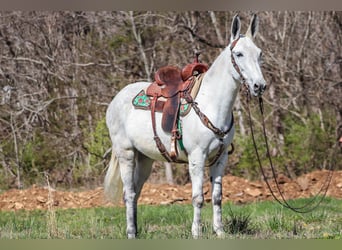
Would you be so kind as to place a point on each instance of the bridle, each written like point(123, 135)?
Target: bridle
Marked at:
point(282, 201)
point(236, 67)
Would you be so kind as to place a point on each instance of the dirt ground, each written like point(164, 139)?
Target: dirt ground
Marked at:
point(235, 189)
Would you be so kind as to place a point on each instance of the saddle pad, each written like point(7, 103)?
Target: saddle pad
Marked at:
point(142, 101)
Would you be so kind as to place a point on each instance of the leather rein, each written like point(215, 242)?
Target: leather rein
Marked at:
point(309, 206)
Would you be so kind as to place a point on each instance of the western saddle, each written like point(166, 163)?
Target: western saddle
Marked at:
point(170, 86)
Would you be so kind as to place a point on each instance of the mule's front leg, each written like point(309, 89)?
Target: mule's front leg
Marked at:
point(196, 170)
point(216, 173)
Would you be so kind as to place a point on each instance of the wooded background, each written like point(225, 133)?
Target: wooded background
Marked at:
point(60, 70)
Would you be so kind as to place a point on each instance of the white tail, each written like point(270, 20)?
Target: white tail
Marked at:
point(112, 182)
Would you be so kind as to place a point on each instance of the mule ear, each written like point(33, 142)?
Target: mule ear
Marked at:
point(236, 26)
point(253, 27)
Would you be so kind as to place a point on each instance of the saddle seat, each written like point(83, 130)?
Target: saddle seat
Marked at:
point(169, 78)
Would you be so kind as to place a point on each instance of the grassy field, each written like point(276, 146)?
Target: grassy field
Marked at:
point(262, 220)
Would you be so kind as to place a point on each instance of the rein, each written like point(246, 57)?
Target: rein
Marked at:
point(283, 201)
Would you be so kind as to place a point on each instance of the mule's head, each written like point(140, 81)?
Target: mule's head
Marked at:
point(246, 56)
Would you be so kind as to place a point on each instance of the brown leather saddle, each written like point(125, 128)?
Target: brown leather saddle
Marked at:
point(171, 83)
point(168, 84)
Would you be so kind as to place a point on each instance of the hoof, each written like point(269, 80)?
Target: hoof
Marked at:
point(196, 236)
point(196, 232)
point(131, 236)
point(220, 234)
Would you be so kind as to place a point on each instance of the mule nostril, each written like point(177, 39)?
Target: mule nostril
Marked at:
point(256, 87)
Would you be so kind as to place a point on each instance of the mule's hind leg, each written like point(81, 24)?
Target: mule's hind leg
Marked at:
point(135, 169)
point(142, 172)
point(216, 173)
point(127, 165)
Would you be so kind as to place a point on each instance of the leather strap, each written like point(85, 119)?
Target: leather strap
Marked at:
point(172, 157)
point(175, 134)
point(236, 67)
point(205, 120)
point(156, 138)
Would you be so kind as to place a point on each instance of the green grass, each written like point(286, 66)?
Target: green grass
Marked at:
point(262, 220)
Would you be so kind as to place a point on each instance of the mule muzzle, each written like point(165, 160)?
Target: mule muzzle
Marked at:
point(259, 88)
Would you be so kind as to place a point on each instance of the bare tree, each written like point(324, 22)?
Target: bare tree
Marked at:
point(59, 70)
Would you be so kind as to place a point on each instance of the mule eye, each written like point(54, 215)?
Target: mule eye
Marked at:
point(239, 54)
point(260, 58)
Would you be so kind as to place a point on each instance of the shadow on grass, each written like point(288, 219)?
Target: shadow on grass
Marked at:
point(239, 222)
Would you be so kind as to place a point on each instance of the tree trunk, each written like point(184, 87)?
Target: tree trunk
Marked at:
point(168, 172)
